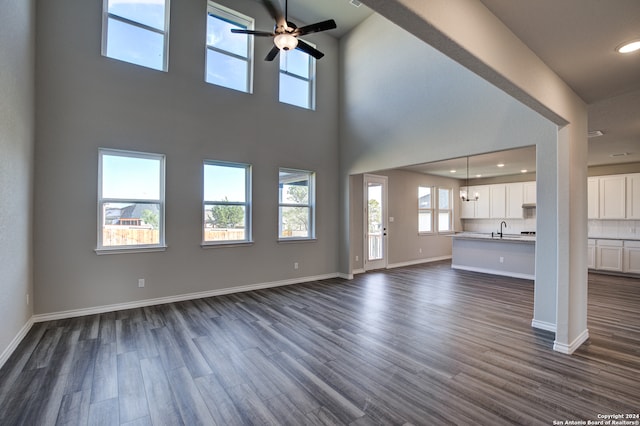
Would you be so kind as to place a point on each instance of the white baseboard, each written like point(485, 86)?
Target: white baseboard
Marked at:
point(417, 262)
point(359, 271)
point(494, 272)
point(15, 342)
point(571, 347)
point(178, 298)
point(543, 325)
point(345, 276)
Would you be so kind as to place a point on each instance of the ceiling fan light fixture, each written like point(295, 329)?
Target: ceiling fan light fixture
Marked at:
point(285, 41)
point(628, 47)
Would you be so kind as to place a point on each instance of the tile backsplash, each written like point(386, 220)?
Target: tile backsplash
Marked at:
point(514, 226)
point(614, 229)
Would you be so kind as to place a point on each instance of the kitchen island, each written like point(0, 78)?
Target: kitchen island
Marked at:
point(511, 255)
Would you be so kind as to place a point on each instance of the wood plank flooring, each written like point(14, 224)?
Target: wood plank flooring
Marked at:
point(423, 345)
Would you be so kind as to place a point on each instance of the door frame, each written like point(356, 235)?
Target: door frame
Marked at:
point(384, 261)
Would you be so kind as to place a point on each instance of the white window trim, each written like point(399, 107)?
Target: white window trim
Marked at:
point(311, 81)
point(430, 210)
point(450, 210)
point(105, 31)
point(235, 17)
point(311, 205)
point(247, 205)
point(142, 248)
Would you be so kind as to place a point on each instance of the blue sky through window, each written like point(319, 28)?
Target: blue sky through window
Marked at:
point(146, 12)
point(127, 41)
point(130, 177)
point(224, 183)
point(294, 90)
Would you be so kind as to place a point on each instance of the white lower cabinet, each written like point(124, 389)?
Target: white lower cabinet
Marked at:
point(609, 255)
point(591, 254)
point(631, 257)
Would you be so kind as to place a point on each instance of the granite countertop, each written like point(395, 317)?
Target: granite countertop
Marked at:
point(517, 238)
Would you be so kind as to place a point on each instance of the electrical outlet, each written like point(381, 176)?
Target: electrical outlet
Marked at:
point(420, 250)
point(357, 258)
point(141, 283)
point(501, 259)
point(295, 265)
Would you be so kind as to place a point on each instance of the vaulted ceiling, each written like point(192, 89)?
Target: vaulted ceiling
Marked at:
point(576, 39)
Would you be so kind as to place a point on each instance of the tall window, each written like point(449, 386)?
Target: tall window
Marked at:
point(296, 215)
point(297, 79)
point(130, 200)
point(136, 31)
point(445, 213)
point(229, 56)
point(227, 203)
point(425, 210)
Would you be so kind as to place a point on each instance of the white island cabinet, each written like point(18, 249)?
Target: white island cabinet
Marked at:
point(512, 255)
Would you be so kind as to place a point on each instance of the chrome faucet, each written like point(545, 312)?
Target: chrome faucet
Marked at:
point(505, 225)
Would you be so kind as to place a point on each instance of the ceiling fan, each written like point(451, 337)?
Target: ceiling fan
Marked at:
point(285, 34)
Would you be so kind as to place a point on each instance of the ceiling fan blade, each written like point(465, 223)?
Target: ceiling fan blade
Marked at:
point(317, 27)
point(252, 32)
point(309, 50)
point(276, 12)
point(272, 54)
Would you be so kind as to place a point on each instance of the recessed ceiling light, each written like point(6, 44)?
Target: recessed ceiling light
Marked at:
point(478, 175)
point(524, 171)
point(452, 171)
point(595, 133)
point(619, 154)
point(628, 47)
point(500, 165)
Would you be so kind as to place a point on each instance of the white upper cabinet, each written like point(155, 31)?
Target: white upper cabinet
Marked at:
point(483, 205)
point(498, 201)
point(633, 196)
point(467, 208)
point(612, 197)
point(476, 209)
point(529, 189)
point(593, 198)
point(515, 198)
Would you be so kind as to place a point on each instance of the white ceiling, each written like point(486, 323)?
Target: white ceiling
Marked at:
point(514, 161)
point(344, 12)
point(576, 39)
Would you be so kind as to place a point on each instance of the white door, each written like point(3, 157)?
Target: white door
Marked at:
point(375, 222)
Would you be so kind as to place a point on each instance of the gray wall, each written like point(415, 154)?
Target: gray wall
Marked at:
point(86, 101)
point(410, 105)
point(16, 164)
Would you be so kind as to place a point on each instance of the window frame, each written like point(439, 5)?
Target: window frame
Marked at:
point(247, 205)
point(106, 15)
point(311, 81)
point(161, 245)
point(441, 210)
point(429, 210)
point(232, 16)
point(311, 205)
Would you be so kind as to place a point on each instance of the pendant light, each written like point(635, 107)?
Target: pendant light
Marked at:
point(464, 196)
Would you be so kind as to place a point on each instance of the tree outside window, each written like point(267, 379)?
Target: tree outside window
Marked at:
point(296, 204)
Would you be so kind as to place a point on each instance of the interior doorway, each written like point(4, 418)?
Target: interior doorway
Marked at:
point(375, 222)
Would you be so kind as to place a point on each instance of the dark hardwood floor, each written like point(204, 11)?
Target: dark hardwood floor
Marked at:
point(424, 345)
